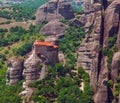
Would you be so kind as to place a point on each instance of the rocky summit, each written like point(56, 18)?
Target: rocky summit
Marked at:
point(54, 9)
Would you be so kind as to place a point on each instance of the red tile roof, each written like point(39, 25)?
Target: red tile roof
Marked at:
point(45, 44)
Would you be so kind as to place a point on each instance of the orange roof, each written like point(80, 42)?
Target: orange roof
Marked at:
point(45, 44)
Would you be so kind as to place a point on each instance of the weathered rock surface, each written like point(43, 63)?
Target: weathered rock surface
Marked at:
point(76, 22)
point(54, 9)
point(54, 27)
point(43, 55)
point(88, 7)
point(101, 94)
point(103, 22)
point(32, 69)
point(112, 19)
point(14, 71)
point(35, 68)
point(115, 67)
point(89, 49)
point(54, 31)
point(115, 74)
point(27, 93)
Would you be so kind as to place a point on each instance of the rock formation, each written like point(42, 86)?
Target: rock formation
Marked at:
point(35, 67)
point(32, 69)
point(14, 71)
point(91, 42)
point(54, 9)
point(54, 30)
point(54, 27)
point(43, 54)
point(102, 24)
point(112, 19)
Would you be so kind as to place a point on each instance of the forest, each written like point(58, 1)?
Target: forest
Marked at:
point(22, 12)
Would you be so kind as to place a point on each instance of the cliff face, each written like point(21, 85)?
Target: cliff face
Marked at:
point(43, 54)
point(14, 71)
point(54, 9)
point(88, 53)
point(99, 52)
point(35, 66)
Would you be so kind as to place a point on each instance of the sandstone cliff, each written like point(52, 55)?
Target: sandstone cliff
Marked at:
point(99, 52)
point(14, 71)
point(43, 54)
point(35, 67)
point(54, 9)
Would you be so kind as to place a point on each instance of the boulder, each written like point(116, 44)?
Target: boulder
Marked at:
point(54, 30)
point(54, 27)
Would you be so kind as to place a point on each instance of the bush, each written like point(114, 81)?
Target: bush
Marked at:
point(24, 49)
point(110, 83)
point(3, 57)
point(6, 51)
point(3, 30)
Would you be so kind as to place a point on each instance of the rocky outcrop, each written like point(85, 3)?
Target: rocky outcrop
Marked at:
point(43, 54)
point(112, 20)
point(88, 7)
point(103, 23)
point(54, 9)
point(54, 27)
point(115, 67)
point(26, 95)
point(54, 31)
point(32, 69)
point(89, 49)
point(115, 74)
point(35, 67)
point(101, 93)
point(14, 71)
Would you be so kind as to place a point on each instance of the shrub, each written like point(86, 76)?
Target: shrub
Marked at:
point(6, 51)
point(110, 83)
